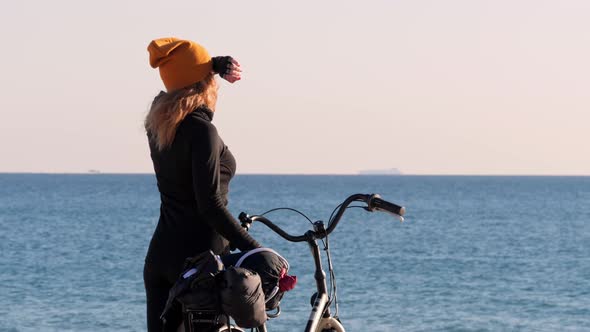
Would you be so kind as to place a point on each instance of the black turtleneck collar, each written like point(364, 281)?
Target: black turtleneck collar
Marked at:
point(204, 112)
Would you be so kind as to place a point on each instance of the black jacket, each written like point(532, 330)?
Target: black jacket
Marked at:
point(193, 177)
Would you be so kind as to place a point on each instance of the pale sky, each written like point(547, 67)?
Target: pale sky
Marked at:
point(429, 87)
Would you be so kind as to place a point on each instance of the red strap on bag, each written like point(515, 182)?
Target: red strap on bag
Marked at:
point(286, 282)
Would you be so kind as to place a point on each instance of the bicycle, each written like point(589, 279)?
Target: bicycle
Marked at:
point(321, 319)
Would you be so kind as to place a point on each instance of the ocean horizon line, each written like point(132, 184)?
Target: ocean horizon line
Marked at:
point(316, 174)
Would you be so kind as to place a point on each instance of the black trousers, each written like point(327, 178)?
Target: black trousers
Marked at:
point(158, 279)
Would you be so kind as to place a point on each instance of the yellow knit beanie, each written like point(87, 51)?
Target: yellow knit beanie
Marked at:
point(181, 62)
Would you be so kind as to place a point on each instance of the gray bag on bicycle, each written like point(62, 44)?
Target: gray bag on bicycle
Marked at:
point(271, 267)
point(242, 297)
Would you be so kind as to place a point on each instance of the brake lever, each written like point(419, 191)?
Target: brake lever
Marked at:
point(400, 218)
point(245, 220)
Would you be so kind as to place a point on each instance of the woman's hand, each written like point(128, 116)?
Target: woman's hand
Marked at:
point(228, 68)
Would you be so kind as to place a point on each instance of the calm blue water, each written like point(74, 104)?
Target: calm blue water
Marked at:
point(475, 253)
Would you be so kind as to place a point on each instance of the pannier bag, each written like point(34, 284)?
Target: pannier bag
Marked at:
point(195, 290)
point(272, 269)
point(253, 282)
point(242, 297)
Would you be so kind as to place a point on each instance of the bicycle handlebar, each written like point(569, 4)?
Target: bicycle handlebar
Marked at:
point(374, 203)
point(247, 220)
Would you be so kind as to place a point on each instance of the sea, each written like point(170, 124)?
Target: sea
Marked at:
point(475, 253)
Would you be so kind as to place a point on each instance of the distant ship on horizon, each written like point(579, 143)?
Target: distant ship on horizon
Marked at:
point(389, 171)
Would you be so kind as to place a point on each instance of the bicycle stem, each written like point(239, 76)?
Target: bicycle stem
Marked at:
point(319, 275)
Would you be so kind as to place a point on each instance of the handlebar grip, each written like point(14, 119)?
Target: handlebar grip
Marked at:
point(380, 204)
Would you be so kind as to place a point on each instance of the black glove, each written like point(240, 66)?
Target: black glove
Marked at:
point(222, 64)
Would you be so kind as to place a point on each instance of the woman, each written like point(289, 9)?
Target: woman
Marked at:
point(193, 167)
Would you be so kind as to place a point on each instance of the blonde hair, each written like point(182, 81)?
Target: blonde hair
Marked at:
point(169, 109)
